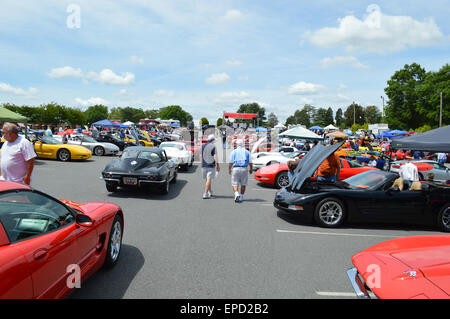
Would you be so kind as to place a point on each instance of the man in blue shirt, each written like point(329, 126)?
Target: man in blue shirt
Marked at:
point(239, 166)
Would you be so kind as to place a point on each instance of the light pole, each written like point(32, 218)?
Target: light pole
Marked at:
point(440, 113)
point(382, 106)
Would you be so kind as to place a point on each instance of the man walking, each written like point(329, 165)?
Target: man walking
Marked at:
point(17, 156)
point(239, 167)
point(210, 164)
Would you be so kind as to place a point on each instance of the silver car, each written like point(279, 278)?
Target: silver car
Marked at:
point(440, 171)
point(97, 148)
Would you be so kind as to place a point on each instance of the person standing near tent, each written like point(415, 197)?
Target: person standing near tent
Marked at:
point(17, 156)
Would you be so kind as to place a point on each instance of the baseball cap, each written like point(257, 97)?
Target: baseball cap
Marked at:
point(211, 137)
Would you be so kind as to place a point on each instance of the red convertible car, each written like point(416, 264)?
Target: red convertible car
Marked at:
point(277, 174)
point(416, 267)
point(49, 246)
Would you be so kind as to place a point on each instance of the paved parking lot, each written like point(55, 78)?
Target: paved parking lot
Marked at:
point(181, 246)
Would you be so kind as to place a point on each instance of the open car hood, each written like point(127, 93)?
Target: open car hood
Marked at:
point(312, 160)
point(257, 144)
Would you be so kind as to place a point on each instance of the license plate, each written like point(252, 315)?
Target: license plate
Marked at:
point(130, 181)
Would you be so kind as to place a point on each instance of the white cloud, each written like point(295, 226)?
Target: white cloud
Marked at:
point(6, 88)
point(230, 97)
point(136, 60)
point(218, 78)
point(342, 60)
point(164, 93)
point(65, 72)
point(306, 100)
point(234, 62)
point(304, 88)
point(232, 15)
point(377, 32)
point(91, 101)
point(107, 76)
point(243, 78)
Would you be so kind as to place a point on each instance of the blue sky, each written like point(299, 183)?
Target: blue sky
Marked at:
point(212, 56)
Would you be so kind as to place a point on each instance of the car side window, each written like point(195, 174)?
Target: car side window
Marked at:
point(25, 214)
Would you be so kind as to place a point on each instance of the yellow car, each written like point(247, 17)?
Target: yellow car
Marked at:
point(144, 139)
point(49, 147)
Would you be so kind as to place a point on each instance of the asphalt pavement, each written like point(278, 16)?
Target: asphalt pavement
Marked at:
point(182, 246)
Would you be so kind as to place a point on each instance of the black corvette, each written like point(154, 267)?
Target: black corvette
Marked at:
point(366, 197)
point(108, 138)
point(140, 167)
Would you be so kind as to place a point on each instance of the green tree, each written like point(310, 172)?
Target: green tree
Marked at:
point(339, 120)
point(253, 108)
point(428, 105)
point(402, 107)
point(204, 121)
point(372, 115)
point(132, 114)
point(272, 120)
point(219, 122)
point(304, 116)
point(349, 115)
point(115, 114)
point(96, 113)
point(175, 112)
point(152, 114)
point(320, 118)
point(329, 116)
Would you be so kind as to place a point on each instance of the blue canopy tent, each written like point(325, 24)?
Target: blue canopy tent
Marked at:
point(398, 132)
point(261, 129)
point(175, 124)
point(387, 134)
point(316, 128)
point(105, 123)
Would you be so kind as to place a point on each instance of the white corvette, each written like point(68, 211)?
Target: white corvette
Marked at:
point(178, 152)
point(268, 158)
point(95, 147)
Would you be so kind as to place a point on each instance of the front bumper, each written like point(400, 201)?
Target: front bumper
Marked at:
point(140, 182)
point(358, 284)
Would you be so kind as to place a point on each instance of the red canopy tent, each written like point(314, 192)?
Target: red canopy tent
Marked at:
point(245, 116)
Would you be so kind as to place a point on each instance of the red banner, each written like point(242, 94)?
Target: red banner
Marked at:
point(241, 115)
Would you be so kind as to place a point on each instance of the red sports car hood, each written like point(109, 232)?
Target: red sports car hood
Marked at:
point(97, 211)
point(272, 169)
point(410, 267)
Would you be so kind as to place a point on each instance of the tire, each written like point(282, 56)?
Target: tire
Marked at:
point(114, 243)
point(141, 144)
point(99, 151)
point(444, 218)
point(282, 180)
point(111, 187)
point(330, 213)
point(63, 155)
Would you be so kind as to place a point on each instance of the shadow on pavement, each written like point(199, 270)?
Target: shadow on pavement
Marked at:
point(304, 221)
point(113, 283)
point(150, 193)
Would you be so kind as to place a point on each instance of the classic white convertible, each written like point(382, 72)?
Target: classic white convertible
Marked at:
point(178, 152)
point(95, 147)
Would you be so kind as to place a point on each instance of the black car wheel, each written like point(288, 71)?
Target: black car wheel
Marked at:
point(330, 212)
point(444, 218)
point(111, 187)
point(63, 155)
point(99, 151)
point(282, 179)
point(114, 243)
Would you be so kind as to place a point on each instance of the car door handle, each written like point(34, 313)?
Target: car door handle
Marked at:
point(40, 253)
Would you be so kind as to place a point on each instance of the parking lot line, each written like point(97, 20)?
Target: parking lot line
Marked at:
point(334, 234)
point(335, 294)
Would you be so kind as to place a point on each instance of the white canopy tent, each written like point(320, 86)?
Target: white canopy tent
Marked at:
point(300, 133)
point(330, 128)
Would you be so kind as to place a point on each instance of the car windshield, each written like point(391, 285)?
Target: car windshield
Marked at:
point(177, 146)
point(130, 153)
point(369, 180)
point(151, 156)
point(87, 139)
point(50, 140)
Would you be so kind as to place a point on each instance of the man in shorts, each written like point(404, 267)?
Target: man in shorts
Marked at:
point(239, 166)
point(210, 164)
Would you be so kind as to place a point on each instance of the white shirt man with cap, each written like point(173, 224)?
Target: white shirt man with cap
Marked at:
point(210, 164)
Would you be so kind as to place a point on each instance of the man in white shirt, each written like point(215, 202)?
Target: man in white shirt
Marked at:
point(409, 172)
point(442, 158)
point(17, 156)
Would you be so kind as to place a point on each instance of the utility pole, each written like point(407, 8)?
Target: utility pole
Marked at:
point(354, 112)
point(440, 113)
point(382, 106)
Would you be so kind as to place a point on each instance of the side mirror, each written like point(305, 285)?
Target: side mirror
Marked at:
point(84, 220)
